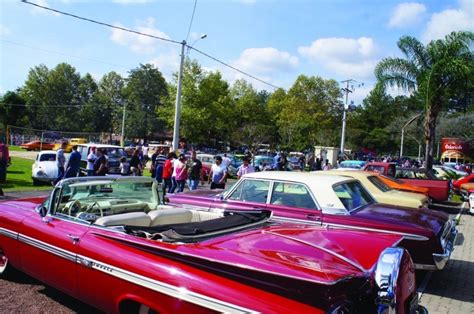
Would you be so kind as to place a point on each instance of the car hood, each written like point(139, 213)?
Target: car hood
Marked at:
point(25, 203)
point(468, 187)
point(405, 218)
point(307, 253)
point(402, 198)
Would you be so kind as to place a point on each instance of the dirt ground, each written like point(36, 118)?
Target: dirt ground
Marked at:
point(20, 293)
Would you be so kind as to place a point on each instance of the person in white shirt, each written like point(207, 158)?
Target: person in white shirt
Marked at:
point(245, 168)
point(218, 174)
point(90, 161)
point(176, 165)
point(61, 162)
point(226, 161)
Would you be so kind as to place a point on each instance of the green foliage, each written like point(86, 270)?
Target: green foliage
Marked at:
point(437, 71)
point(145, 91)
point(11, 110)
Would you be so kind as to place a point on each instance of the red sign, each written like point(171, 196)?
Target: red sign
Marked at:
point(453, 144)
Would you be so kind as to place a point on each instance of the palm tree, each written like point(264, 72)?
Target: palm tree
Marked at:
point(431, 71)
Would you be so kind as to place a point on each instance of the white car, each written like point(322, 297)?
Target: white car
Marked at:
point(45, 168)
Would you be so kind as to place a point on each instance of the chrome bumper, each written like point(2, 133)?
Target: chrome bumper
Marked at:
point(449, 239)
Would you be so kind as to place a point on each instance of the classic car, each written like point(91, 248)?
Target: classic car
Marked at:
point(467, 179)
point(317, 199)
point(352, 164)
point(439, 190)
point(70, 144)
point(447, 173)
point(113, 152)
point(37, 145)
point(398, 184)
point(381, 191)
point(45, 168)
point(262, 162)
point(110, 243)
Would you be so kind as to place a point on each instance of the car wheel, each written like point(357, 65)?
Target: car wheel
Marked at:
point(3, 263)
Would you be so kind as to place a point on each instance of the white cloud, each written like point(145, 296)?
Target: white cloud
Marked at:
point(4, 31)
point(450, 20)
point(139, 43)
point(407, 14)
point(167, 63)
point(348, 57)
point(268, 64)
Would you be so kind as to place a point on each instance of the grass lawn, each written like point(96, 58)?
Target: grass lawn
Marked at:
point(19, 177)
point(15, 148)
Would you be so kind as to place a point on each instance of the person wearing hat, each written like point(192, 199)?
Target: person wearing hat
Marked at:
point(218, 174)
point(245, 168)
point(90, 161)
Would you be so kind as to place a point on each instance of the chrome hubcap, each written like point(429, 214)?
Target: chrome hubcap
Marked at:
point(3, 263)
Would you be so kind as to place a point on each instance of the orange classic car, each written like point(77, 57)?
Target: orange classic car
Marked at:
point(397, 184)
point(37, 145)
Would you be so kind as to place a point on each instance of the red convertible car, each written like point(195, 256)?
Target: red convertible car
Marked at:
point(339, 201)
point(110, 243)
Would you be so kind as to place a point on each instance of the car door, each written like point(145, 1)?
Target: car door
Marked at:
point(293, 200)
point(247, 194)
point(49, 246)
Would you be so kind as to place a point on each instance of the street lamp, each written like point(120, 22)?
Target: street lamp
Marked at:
point(177, 112)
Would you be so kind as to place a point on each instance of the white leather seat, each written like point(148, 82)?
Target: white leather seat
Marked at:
point(170, 216)
point(131, 219)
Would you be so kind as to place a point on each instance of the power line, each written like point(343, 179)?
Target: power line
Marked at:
point(233, 68)
point(101, 23)
point(191, 22)
point(155, 37)
point(62, 54)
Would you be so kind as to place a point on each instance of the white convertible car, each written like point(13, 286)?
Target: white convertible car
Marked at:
point(44, 169)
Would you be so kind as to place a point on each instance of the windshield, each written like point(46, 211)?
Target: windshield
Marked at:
point(351, 165)
point(115, 152)
point(379, 184)
point(47, 157)
point(353, 195)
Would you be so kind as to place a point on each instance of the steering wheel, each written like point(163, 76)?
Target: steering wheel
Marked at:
point(73, 207)
point(90, 208)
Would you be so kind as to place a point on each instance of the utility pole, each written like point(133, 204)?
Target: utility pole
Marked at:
point(347, 90)
point(177, 112)
point(122, 140)
point(403, 131)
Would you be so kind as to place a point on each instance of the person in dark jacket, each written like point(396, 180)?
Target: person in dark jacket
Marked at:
point(72, 169)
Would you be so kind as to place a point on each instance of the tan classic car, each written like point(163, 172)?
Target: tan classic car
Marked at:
point(381, 191)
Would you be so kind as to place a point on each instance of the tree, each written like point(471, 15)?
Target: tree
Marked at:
point(306, 115)
point(53, 97)
point(11, 110)
point(205, 105)
point(110, 96)
point(145, 92)
point(433, 71)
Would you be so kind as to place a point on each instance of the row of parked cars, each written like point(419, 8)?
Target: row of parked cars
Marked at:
point(275, 241)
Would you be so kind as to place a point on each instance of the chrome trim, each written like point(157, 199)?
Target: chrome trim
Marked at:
point(177, 292)
point(386, 276)
point(8, 233)
point(408, 236)
point(47, 247)
point(174, 291)
point(447, 241)
point(345, 259)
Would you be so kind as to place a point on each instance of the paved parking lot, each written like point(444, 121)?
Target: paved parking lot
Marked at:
point(451, 290)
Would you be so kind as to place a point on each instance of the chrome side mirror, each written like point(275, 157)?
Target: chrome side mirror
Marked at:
point(42, 210)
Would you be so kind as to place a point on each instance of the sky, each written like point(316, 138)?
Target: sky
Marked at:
point(274, 40)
